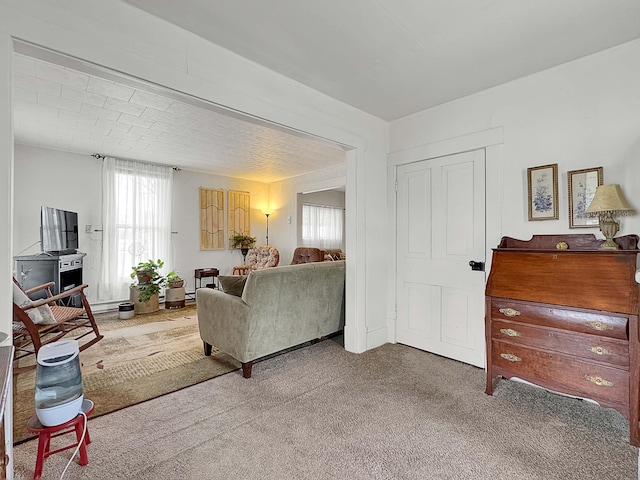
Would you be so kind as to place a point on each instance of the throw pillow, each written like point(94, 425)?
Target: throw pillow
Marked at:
point(40, 316)
point(233, 284)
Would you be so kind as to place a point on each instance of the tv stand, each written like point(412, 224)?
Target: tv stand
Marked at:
point(65, 270)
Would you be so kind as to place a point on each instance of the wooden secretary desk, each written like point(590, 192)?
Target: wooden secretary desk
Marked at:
point(564, 315)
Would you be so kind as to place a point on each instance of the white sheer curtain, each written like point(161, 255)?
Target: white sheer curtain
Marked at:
point(136, 216)
point(322, 226)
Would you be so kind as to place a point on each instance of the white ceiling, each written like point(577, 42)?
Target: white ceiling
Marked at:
point(86, 111)
point(392, 58)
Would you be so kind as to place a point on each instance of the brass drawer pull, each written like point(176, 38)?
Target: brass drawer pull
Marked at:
point(509, 332)
point(511, 357)
point(509, 312)
point(600, 326)
point(601, 382)
point(601, 350)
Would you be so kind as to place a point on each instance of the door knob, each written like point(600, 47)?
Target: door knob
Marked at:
point(479, 266)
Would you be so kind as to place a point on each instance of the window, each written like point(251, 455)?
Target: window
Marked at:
point(136, 221)
point(322, 226)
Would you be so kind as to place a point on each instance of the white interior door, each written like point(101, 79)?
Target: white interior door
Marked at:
point(441, 228)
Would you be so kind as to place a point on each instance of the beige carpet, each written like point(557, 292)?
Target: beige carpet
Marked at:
point(321, 413)
point(138, 359)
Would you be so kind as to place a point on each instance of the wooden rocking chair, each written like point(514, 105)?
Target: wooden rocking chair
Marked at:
point(29, 336)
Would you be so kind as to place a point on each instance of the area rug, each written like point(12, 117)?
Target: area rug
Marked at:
point(138, 359)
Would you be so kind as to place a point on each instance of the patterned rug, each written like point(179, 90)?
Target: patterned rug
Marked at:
point(138, 359)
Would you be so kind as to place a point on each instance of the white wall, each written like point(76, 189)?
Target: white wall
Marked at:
point(582, 114)
point(63, 180)
point(186, 222)
point(122, 38)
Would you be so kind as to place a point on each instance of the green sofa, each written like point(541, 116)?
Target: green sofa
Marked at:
point(280, 307)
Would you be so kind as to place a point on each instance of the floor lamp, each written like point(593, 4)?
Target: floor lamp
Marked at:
point(267, 215)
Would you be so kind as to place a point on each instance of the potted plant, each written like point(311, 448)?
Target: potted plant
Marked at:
point(174, 295)
point(241, 240)
point(174, 280)
point(145, 292)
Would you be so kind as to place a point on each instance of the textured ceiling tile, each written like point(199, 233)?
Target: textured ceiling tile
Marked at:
point(154, 128)
point(82, 96)
point(122, 127)
point(72, 118)
point(124, 107)
point(25, 65)
point(100, 112)
point(150, 100)
point(133, 120)
point(24, 94)
point(57, 102)
point(110, 89)
point(37, 84)
point(61, 75)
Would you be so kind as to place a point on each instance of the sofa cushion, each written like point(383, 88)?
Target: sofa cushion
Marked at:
point(332, 254)
point(41, 315)
point(233, 284)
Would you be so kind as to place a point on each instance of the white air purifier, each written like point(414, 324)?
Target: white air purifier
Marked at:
point(59, 393)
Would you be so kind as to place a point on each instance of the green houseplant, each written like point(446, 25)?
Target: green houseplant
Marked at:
point(241, 240)
point(174, 280)
point(149, 280)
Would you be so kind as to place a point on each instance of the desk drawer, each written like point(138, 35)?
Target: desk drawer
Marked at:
point(546, 315)
point(562, 373)
point(588, 347)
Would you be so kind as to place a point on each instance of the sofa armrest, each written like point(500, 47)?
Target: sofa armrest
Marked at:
point(222, 321)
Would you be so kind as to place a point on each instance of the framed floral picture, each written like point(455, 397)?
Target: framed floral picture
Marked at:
point(582, 188)
point(542, 183)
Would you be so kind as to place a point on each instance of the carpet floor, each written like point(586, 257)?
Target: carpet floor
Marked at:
point(319, 412)
point(138, 359)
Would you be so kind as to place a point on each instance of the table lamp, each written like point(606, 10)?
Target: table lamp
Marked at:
point(609, 202)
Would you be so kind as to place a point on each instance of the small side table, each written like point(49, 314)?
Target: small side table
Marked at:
point(45, 434)
point(205, 273)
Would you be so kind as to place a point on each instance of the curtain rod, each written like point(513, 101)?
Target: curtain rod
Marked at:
point(99, 156)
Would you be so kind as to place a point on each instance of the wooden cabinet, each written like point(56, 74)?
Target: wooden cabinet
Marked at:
point(567, 319)
point(64, 270)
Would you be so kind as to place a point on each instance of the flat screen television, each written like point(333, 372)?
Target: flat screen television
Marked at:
point(58, 230)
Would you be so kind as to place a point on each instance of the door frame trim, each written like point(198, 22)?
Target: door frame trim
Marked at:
point(492, 141)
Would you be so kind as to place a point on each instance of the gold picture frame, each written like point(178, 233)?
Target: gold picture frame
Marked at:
point(211, 219)
point(542, 186)
point(582, 188)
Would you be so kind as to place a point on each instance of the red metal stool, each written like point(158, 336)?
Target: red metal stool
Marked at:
point(45, 434)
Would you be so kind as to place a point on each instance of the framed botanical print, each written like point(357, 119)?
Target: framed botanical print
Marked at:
point(582, 188)
point(542, 183)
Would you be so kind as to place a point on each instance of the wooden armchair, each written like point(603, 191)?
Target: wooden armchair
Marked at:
point(39, 322)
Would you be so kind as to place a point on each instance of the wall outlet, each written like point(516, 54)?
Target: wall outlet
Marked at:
point(88, 229)
point(289, 219)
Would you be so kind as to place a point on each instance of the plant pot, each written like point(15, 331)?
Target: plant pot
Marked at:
point(174, 298)
point(176, 284)
point(126, 310)
point(144, 276)
point(139, 307)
